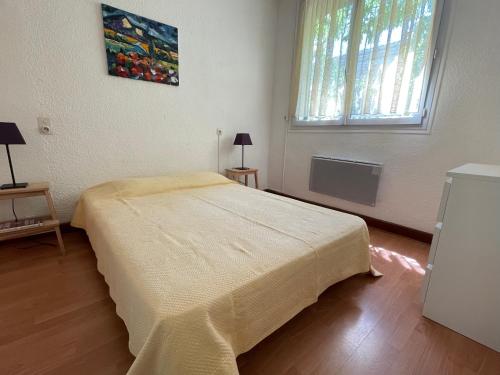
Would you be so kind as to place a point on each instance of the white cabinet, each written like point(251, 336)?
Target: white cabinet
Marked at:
point(462, 283)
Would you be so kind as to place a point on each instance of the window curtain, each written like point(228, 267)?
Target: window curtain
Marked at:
point(382, 75)
point(318, 88)
point(393, 48)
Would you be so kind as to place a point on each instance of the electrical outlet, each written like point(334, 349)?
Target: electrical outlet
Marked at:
point(44, 126)
point(219, 132)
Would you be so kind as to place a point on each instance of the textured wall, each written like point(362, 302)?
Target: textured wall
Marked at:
point(466, 125)
point(53, 64)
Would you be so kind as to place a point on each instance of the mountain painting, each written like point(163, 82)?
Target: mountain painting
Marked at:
point(140, 48)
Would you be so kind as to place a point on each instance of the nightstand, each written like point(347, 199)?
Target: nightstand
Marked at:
point(235, 174)
point(40, 225)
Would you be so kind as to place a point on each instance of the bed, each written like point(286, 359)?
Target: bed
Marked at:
point(202, 269)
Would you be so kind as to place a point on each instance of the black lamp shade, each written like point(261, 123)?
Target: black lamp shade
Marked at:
point(242, 139)
point(10, 134)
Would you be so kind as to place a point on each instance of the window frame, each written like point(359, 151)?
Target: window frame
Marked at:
point(414, 124)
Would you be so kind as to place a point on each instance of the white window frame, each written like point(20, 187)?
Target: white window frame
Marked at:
point(421, 123)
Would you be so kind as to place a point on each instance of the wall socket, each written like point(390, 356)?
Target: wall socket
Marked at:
point(44, 126)
point(219, 132)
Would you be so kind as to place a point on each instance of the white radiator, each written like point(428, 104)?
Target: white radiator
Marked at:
point(355, 181)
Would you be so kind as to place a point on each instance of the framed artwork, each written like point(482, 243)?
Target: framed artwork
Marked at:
point(140, 48)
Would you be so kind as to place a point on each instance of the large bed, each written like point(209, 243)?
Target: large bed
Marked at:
point(201, 268)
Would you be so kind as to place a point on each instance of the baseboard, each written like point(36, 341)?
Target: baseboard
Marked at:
point(371, 221)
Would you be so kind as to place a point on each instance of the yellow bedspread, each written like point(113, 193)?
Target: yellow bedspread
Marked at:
point(201, 269)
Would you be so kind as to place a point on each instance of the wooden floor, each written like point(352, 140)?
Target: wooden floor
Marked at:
point(56, 318)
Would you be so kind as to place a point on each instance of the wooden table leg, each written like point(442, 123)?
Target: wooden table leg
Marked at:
point(60, 241)
point(53, 214)
point(256, 180)
point(50, 204)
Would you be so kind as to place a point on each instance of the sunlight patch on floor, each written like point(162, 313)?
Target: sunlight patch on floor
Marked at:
point(390, 256)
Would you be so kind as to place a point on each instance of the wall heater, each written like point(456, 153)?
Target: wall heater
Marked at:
point(355, 181)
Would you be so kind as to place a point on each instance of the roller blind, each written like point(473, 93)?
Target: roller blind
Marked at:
point(362, 61)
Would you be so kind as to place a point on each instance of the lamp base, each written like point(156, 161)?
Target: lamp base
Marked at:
point(242, 168)
point(18, 185)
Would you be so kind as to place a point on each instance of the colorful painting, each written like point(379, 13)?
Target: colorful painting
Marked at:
point(140, 48)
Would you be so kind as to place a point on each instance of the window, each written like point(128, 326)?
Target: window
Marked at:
point(364, 62)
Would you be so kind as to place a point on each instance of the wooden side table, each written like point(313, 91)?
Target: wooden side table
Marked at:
point(235, 174)
point(50, 224)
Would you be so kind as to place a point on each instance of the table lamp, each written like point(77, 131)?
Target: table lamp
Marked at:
point(10, 135)
point(242, 139)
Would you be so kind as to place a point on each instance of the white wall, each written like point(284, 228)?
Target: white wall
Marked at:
point(53, 64)
point(466, 126)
